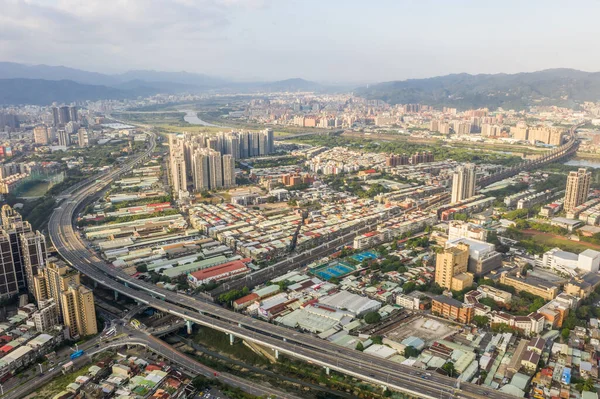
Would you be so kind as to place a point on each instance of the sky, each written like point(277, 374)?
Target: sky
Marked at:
point(330, 41)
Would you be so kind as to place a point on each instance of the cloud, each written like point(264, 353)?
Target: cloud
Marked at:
point(84, 32)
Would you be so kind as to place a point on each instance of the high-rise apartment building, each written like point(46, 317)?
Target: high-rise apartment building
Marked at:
point(578, 187)
point(75, 302)
point(451, 268)
point(177, 164)
point(83, 137)
point(14, 226)
point(34, 256)
point(207, 168)
point(8, 275)
point(64, 139)
point(40, 135)
point(463, 183)
point(78, 311)
point(228, 171)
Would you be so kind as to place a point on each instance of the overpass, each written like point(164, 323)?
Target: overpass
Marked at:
point(282, 340)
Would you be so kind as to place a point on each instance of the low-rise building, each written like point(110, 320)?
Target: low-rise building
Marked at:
point(452, 309)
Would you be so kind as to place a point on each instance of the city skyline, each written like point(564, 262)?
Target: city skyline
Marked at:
point(267, 40)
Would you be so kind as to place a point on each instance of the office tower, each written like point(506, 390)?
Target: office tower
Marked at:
point(228, 171)
point(83, 137)
point(78, 311)
point(34, 256)
point(578, 187)
point(463, 183)
point(200, 170)
point(40, 135)
point(64, 139)
point(47, 315)
point(14, 226)
point(73, 116)
point(270, 140)
point(55, 116)
point(64, 116)
point(177, 164)
point(215, 170)
point(451, 268)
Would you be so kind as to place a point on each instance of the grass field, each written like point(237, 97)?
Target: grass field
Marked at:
point(561, 242)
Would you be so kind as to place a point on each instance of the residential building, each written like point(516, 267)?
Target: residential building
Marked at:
point(463, 183)
point(47, 315)
point(578, 187)
point(34, 256)
point(177, 165)
point(78, 310)
point(451, 268)
point(40, 135)
point(12, 269)
point(460, 229)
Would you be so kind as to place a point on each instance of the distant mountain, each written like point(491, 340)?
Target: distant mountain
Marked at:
point(295, 84)
point(197, 80)
point(44, 92)
point(563, 87)
point(12, 70)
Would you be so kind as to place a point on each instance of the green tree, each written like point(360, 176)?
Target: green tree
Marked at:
point(360, 346)
point(411, 351)
point(564, 333)
point(409, 287)
point(448, 367)
point(142, 268)
point(489, 302)
point(481, 321)
point(372, 318)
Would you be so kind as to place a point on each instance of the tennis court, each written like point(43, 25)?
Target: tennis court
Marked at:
point(334, 269)
point(364, 255)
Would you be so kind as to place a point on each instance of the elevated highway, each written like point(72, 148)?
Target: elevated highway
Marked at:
point(566, 150)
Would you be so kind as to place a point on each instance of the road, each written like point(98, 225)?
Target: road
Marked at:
point(285, 341)
point(139, 338)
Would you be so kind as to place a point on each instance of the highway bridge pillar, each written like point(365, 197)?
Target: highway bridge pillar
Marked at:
point(189, 325)
point(95, 284)
point(276, 354)
point(126, 285)
point(231, 339)
point(327, 370)
point(116, 295)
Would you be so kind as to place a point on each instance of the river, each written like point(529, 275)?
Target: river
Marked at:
point(584, 163)
point(191, 117)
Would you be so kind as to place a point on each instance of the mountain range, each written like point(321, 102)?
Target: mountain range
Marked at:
point(43, 84)
point(563, 87)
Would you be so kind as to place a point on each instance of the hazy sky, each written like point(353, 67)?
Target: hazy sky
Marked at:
point(324, 40)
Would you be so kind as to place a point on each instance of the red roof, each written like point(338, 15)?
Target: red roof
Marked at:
point(370, 171)
point(245, 299)
point(229, 267)
point(6, 348)
point(152, 367)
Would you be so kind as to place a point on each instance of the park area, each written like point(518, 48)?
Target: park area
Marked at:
point(553, 240)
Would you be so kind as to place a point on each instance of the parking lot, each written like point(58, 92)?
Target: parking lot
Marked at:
point(427, 328)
